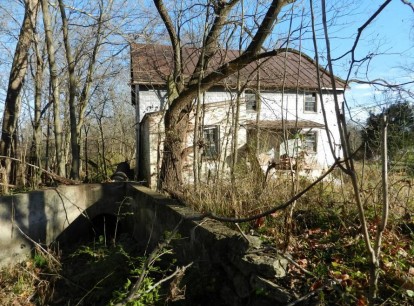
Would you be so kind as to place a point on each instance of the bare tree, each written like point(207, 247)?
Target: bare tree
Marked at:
point(373, 245)
point(184, 92)
point(77, 108)
point(54, 80)
point(16, 80)
point(38, 76)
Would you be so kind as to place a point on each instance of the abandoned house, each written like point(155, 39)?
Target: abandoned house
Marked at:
point(274, 107)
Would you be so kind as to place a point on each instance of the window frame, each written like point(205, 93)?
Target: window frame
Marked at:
point(207, 143)
point(314, 102)
point(251, 104)
point(306, 148)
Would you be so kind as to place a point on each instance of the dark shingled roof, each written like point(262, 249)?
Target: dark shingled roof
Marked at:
point(151, 65)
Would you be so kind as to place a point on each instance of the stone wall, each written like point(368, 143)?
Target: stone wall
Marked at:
point(238, 271)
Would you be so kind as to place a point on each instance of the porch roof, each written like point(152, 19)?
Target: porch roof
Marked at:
point(280, 124)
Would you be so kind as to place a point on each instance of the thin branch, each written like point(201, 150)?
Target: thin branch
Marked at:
point(53, 175)
point(38, 245)
point(380, 82)
point(147, 263)
point(177, 271)
point(409, 4)
point(361, 29)
point(312, 293)
point(93, 288)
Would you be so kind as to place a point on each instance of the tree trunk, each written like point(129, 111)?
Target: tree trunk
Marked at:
point(174, 143)
point(55, 88)
point(16, 80)
point(74, 172)
point(47, 146)
point(87, 179)
point(37, 132)
point(177, 115)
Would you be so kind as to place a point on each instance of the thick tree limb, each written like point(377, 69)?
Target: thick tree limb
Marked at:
point(409, 4)
point(221, 11)
point(266, 26)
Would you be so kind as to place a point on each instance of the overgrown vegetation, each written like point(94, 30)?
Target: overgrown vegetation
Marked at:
point(400, 132)
point(330, 261)
point(30, 282)
point(90, 274)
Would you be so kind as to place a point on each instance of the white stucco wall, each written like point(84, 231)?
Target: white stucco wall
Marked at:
point(149, 101)
point(153, 100)
point(292, 107)
point(152, 137)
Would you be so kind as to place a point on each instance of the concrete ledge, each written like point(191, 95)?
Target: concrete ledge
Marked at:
point(222, 254)
point(156, 214)
point(41, 216)
point(224, 264)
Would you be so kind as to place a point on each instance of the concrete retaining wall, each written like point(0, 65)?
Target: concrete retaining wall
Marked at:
point(41, 216)
point(238, 271)
point(227, 267)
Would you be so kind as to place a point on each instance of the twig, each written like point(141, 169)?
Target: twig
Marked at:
point(192, 231)
point(176, 272)
point(118, 214)
point(295, 264)
point(147, 263)
point(54, 176)
point(93, 288)
point(37, 244)
point(310, 294)
point(241, 232)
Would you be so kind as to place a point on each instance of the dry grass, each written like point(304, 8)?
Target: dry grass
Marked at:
point(30, 282)
point(324, 235)
point(248, 196)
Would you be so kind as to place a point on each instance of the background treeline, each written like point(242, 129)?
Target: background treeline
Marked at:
point(64, 83)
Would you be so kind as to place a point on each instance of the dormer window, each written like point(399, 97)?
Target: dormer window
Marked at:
point(310, 102)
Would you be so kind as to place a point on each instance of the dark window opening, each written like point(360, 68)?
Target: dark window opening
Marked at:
point(211, 145)
point(251, 101)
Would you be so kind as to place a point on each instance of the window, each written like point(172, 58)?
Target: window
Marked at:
point(250, 101)
point(310, 102)
point(211, 143)
point(310, 142)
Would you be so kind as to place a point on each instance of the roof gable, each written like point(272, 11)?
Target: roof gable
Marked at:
point(151, 64)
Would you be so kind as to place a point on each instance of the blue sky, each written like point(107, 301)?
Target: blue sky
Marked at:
point(391, 36)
